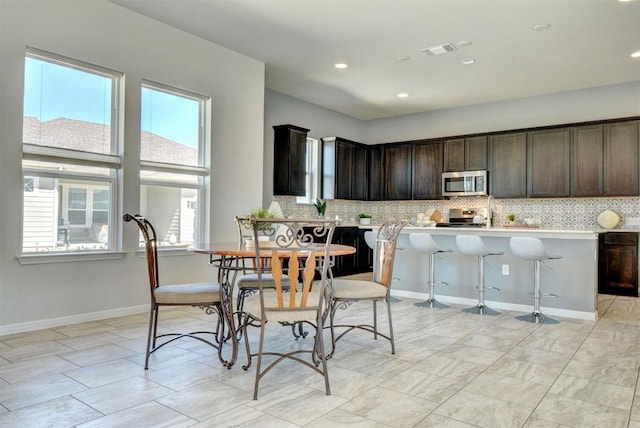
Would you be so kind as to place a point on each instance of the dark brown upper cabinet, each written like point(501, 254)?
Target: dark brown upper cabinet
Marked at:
point(465, 154)
point(289, 160)
point(374, 163)
point(621, 159)
point(549, 163)
point(427, 170)
point(508, 165)
point(587, 161)
point(344, 169)
point(397, 174)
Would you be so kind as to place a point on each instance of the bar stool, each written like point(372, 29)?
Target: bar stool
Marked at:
point(473, 245)
point(424, 243)
point(532, 249)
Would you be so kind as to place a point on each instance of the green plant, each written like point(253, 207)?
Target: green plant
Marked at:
point(321, 206)
point(511, 217)
point(262, 213)
point(364, 215)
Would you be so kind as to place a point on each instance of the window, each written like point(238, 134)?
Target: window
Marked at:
point(70, 160)
point(172, 170)
point(312, 174)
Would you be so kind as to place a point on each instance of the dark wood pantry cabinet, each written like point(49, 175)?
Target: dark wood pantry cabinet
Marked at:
point(587, 161)
point(621, 159)
point(397, 172)
point(289, 160)
point(427, 170)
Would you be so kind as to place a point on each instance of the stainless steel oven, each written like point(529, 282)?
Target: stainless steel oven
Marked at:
point(464, 183)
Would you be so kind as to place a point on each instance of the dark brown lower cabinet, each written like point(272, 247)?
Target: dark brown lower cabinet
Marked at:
point(361, 261)
point(618, 263)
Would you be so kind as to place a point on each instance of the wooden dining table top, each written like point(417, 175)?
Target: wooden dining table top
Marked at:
point(233, 249)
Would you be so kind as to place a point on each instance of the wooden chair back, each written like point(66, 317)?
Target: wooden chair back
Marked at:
point(385, 250)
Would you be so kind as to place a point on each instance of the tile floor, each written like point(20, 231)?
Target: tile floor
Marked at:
point(451, 369)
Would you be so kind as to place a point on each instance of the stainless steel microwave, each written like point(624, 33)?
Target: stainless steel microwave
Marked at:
point(464, 183)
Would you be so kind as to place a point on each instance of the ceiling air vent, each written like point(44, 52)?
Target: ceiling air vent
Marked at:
point(439, 50)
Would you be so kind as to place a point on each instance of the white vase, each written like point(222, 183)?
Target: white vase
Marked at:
point(365, 221)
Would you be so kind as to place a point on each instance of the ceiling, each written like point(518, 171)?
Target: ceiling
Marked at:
point(588, 44)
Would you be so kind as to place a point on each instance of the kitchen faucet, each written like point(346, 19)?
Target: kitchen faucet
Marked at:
point(490, 210)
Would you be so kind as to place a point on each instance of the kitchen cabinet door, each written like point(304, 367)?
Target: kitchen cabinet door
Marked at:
point(508, 165)
point(427, 170)
point(621, 159)
point(587, 156)
point(549, 163)
point(397, 171)
point(289, 160)
point(359, 179)
point(344, 169)
point(465, 154)
point(374, 175)
point(618, 263)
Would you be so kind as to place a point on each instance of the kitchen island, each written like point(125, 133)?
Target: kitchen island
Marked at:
point(574, 277)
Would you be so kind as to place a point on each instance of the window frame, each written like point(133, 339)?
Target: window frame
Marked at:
point(200, 172)
point(56, 155)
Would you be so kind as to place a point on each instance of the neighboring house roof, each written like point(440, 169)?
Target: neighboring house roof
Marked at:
point(96, 138)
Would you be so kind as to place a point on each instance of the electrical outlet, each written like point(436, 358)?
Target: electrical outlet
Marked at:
point(633, 221)
point(505, 269)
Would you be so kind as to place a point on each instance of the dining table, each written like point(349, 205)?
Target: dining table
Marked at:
point(232, 259)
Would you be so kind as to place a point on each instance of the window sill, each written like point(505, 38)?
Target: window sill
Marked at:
point(42, 258)
point(167, 251)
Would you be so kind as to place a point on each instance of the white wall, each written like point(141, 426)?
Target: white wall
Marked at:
point(605, 102)
point(105, 34)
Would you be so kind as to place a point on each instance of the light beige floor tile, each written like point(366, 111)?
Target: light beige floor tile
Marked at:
point(524, 370)
point(246, 417)
point(449, 367)
point(125, 394)
point(390, 407)
point(538, 356)
point(562, 346)
point(579, 414)
point(341, 418)
point(344, 383)
point(381, 366)
point(534, 422)
point(606, 394)
point(36, 368)
point(105, 373)
point(181, 376)
point(90, 341)
point(33, 350)
point(603, 370)
point(37, 390)
point(471, 354)
point(99, 354)
point(205, 400)
point(38, 336)
point(84, 329)
point(150, 414)
point(635, 408)
point(484, 411)
point(59, 412)
point(434, 388)
point(310, 404)
point(488, 342)
point(508, 389)
point(437, 421)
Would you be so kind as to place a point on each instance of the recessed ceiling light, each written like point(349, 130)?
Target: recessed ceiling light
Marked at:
point(340, 65)
point(636, 54)
point(403, 95)
point(439, 50)
point(403, 58)
point(541, 27)
point(467, 61)
point(464, 43)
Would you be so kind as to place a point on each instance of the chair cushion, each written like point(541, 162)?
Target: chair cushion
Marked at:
point(250, 280)
point(252, 306)
point(186, 294)
point(357, 289)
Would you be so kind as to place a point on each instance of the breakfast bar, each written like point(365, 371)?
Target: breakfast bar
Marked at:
point(573, 277)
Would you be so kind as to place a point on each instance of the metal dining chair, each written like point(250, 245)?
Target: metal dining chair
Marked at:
point(205, 295)
point(346, 291)
point(296, 254)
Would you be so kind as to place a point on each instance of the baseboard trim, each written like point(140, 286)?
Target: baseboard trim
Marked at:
point(72, 319)
point(566, 313)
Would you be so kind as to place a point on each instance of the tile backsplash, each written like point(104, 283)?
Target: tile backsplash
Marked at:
point(574, 213)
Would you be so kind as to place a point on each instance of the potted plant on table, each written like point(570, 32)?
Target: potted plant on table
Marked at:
point(321, 206)
point(365, 218)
